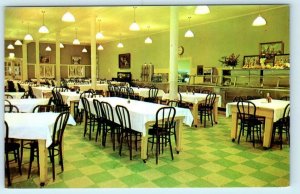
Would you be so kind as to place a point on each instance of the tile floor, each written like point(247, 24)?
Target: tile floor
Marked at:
point(208, 159)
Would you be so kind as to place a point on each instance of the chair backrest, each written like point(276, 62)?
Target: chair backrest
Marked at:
point(59, 127)
point(246, 110)
point(153, 92)
point(173, 103)
point(287, 98)
point(123, 92)
point(111, 90)
point(97, 106)
point(60, 89)
point(131, 93)
point(30, 92)
point(43, 108)
point(25, 95)
point(237, 98)
point(8, 96)
point(117, 91)
point(6, 133)
point(87, 94)
point(9, 108)
point(165, 118)
point(206, 91)
point(107, 111)
point(11, 86)
point(124, 117)
point(86, 106)
point(210, 100)
point(20, 88)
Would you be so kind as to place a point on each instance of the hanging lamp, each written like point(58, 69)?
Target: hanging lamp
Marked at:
point(48, 48)
point(148, 40)
point(61, 45)
point(202, 10)
point(28, 36)
point(189, 33)
point(43, 29)
point(10, 46)
point(76, 41)
point(99, 34)
point(259, 21)
point(84, 50)
point(134, 26)
point(68, 17)
point(100, 47)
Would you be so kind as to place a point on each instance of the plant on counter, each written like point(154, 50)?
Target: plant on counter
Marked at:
point(231, 60)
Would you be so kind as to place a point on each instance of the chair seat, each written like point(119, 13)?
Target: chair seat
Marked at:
point(9, 147)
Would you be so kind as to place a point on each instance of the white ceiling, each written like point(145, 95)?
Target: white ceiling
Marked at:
point(115, 20)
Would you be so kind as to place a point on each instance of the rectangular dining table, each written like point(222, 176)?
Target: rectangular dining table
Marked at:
point(70, 98)
point(35, 126)
point(144, 92)
point(28, 104)
point(196, 99)
point(15, 95)
point(272, 112)
point(143, 116)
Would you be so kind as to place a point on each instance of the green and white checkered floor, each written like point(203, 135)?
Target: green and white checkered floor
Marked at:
point(208, 159)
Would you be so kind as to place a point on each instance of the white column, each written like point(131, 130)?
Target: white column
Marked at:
point(93, 53)
point(24, 62)
point(57, 59)
point(173, 69)
point(37, 60)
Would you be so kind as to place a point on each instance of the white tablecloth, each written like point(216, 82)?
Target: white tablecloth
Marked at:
point(144, 92)
point(276, 105)
point(86, 87)
point(192, 98)
point(140, 112)
point(38, 91)
point(70, 96)
point(15, 95)
point(33, 125)
point(27, 104)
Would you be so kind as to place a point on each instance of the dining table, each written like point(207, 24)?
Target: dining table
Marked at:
point(15, 95)
point(39, 91)
point(144, 92)
point(71, 98)
point(272, 111)
point(28, 104)
point(195, 99)
point(86, 87)
point(143, 116)
point(35, 126)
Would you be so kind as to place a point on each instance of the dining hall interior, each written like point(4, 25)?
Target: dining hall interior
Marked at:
point(147, 96)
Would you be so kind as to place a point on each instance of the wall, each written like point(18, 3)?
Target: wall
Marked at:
point(211, 42)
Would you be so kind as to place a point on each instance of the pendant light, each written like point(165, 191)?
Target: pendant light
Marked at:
point(84, 50)
point(100, 47)
point(99, 35)
point(43, 28)
point(10, 46)
point(48, 48)
point(11, 55)
point(148, 40)
point(202, 10)
point(28, 36)
point(120, 44)
point(61, 45)
point(76, 41)
point(259, 20)
point(18, 42)
point(134, 26)
point(68, 17)
point(189, 33)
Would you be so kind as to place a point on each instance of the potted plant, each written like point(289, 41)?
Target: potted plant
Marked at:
point(231, 60)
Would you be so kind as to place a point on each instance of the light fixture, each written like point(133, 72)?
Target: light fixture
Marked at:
point(43, 28)
point(189, 33)
point(48, 48)
point(76, 41)
point(120, 45)
point(99, 35)
point(10, 46)
point(18, 42)
point(100, 47)
point(259, 21)
point(134, 26)
point(11, 55)
point(68, 17)
point(202, 10)
point(28, 36)
point(148, 40)
point(84, 50)
point(61, 45)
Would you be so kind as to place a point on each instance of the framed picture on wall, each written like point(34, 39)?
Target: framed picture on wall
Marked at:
point(45, 59)
point(76, 71)
point(76, 60)
point(199, 69)
point(251, 61)
point(124, 61)
point(282, 61)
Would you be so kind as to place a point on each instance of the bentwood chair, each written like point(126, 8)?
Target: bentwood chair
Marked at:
point(20, 88)
point(8, 96)
point(110, 124)
point(206, 109)
point(249, 121)
point(160, 134)
point(55, 149)
point(99, 118)
point(282, 126)
point(10, 147)
point(152, 95)
point(89, 117)
point(126, 132)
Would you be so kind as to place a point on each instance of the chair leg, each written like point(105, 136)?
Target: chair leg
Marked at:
point(7, 169)
point(30, 161)
point(19, 162)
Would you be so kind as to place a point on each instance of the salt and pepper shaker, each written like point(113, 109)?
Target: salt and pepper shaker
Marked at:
point(269, 99)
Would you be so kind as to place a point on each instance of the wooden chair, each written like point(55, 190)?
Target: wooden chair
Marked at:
point(206, 109)
point(282, 126)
